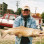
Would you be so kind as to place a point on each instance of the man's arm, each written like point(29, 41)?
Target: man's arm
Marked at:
point(16, 23)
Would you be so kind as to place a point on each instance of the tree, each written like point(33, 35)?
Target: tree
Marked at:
point(38, 14)
point(4, 8)
point(10, 11)
point(42, 15)
point(18, 11)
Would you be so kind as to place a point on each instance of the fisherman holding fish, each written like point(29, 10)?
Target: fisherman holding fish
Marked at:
point(26, 20)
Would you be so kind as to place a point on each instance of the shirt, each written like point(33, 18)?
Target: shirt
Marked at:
point(19, 21)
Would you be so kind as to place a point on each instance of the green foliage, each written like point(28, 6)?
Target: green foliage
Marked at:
point(42, 15)
point(4, 8)
point(18, 11)
point(38, 42)
point(11, 12)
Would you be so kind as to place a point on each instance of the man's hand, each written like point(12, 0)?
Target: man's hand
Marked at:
point(18, 34)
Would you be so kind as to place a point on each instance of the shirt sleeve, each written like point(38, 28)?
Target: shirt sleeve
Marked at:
point(33, 24)
point(16, 23)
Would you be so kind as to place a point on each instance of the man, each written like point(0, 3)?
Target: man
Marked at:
point(24, 20)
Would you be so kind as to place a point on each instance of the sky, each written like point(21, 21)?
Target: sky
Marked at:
point(33, 4)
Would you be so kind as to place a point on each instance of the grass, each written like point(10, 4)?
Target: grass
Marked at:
point(38, 42)
point(42, 41)
point(7, 42)
point(42, 26)
point(9, 39)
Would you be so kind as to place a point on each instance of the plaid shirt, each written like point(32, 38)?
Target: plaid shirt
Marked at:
point(20, 22)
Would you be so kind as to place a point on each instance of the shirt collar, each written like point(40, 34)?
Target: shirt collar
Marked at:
point(22, 17)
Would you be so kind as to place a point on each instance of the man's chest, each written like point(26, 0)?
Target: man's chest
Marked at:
point(22, 23)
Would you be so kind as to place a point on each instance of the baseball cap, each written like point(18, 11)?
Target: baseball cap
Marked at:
point(25, 7)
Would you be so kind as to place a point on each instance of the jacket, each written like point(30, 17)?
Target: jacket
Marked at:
point(19, 21)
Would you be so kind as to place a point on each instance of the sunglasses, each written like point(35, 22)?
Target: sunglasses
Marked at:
point(26, 10)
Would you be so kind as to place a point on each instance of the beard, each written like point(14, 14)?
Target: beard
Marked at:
point(26, 17)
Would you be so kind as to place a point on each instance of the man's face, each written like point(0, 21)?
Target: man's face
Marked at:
point(25, 12)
